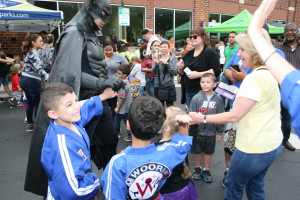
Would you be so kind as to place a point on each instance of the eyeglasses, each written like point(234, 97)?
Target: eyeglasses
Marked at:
point(290, 30)
point(194, 37)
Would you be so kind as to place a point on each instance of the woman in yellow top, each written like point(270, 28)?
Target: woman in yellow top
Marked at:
point(257, 111)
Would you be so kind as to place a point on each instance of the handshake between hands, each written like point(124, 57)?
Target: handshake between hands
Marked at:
point(190, 119)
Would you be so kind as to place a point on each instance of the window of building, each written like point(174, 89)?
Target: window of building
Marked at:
point(175, 24)
point(183, 24)
point(69, 9)
point(129, 33)
point(215, 19)
point(164, 21)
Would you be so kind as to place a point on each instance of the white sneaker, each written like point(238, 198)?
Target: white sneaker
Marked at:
point(20, 104)
point(11, 101)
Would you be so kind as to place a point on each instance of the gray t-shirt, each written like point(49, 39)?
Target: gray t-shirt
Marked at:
point(126, 95)
point(113, 64)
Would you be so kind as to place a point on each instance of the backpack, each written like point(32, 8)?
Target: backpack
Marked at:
point(135, 84)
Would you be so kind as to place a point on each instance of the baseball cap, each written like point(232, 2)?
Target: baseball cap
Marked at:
point(146, 30)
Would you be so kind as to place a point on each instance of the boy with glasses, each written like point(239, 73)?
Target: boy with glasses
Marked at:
point(124, 101)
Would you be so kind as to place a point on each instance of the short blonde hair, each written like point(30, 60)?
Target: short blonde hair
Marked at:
point(244, 42)
point(170, 121)
point(136, 59)
point(15, 69)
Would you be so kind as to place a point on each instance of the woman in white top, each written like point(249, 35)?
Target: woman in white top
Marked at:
point(258, 137)
point(286, 75)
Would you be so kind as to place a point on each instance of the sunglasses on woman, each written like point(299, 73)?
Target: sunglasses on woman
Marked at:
point(194, 37)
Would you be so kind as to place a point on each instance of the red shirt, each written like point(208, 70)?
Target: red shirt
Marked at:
point(15, 80)
point(148, 64)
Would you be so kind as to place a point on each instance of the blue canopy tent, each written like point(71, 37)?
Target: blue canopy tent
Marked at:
point(20, 16)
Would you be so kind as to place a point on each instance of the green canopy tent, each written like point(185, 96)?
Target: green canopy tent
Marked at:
point(239, 24)
point(180, 31)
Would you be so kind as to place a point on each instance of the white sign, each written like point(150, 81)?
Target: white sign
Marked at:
point(124, 16)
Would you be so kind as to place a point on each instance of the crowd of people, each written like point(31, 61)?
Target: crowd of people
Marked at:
point(77, 96)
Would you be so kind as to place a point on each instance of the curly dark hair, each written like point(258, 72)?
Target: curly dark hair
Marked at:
point(146, 116)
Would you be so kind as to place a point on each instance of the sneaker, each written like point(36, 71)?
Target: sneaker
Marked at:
point(20, 104)
point(128, 139)
point(11, 101)
point(2, 100)
point(207, 177)
point(197, 173)
point(289, 146)
point(223, 181)
point(29, 127)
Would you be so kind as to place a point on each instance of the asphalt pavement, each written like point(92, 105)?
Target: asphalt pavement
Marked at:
point(281, 183)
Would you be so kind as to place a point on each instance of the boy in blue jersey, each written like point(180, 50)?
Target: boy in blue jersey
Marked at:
point(66, 149)
point(140, 170)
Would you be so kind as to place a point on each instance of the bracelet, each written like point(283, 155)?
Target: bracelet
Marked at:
point(269, 57)
point(204, 119)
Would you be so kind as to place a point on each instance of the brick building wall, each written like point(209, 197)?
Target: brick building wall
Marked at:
point(150, 14)
point(12, 42)
point(281, 11)
point(201, 10)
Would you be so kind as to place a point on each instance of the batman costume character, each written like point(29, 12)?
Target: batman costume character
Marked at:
point(79, 62)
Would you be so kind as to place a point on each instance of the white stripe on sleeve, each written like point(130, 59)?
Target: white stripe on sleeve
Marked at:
point(67, 164)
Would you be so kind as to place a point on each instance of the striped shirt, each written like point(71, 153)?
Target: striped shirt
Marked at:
point(292, 56)
point(147, 63)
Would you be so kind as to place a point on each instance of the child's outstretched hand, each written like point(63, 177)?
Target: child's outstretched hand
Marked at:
point(183, 119)
point(108, 93)
point(219, 138)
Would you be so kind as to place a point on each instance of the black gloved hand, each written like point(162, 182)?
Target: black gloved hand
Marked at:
point(113, 82)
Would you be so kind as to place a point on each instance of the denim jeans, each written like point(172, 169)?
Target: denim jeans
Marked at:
point(142, 90)
point(150, 86)
point(32, 89)
point(285, 124)
point(248, 171)
point(117, 122)
point(189, 96)
point(4, 81)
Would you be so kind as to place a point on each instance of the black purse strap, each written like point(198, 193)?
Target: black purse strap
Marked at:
point(159, 75)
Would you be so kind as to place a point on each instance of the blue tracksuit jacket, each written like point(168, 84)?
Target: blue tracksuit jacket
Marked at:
point(66, 157)
point(140, 172)
point(290, 88)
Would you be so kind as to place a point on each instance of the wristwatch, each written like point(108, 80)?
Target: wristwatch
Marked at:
point(204, 119)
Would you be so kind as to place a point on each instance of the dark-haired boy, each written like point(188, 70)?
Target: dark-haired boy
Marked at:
point(124, 100)
point(205, 135)
point(66, 149)
point(140, 170)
